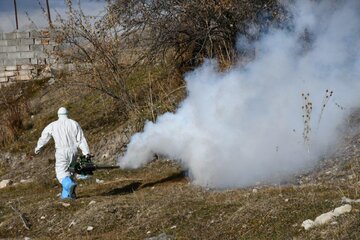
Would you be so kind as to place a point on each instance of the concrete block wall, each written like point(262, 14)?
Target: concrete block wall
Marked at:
point(23, 55)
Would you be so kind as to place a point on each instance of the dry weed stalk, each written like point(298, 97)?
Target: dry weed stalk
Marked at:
point(14, 112)
point(328, 95)
point(307, 110)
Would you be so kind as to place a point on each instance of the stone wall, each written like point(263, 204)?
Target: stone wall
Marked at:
point(25, 55)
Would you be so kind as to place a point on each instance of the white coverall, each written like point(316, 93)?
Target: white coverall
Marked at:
point(68, 137)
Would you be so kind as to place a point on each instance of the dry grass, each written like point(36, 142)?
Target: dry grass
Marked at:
point(158, 199)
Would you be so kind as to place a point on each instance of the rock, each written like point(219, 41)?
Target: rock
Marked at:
point(5, 183)
point(27, 238)
point(99, 181)
point(343, 209)
point(72, 223)
point(82, 177)
point(326, 217)
point(65, 204)
point(255, 190)
point(90, 228)
point(92, 202)
point(42, 217)
point(26, 181)
point(286, 200)
point(51, 81)
point(307, 224)
point(173, 227)
point(348, 200)
point(162, 236)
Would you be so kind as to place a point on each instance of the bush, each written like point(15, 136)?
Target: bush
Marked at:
point(192, 30)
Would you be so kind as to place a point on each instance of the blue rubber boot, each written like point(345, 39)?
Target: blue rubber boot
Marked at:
point(68, 188)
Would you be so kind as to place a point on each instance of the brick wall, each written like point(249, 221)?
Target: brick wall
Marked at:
point(25, 55)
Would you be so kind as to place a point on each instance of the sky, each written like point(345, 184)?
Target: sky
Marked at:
point(7, 16)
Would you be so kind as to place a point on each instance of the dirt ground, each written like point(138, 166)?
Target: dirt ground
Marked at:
point(159, 201)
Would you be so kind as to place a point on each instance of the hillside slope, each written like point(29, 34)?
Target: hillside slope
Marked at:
point(158, 200)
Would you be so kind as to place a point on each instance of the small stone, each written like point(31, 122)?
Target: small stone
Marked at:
point(324, 218)
point(51, 81)
point(162, 236)
point(27, 238)
point(255, 190)
point(65, 204)
point(42, 217)
point(90, 228)
point(286, 200)
point(173, 227)
point(343, 209)
point(348, 200)
point(334, 223)
point(26, 180)
point(307, 224)
point(72, 223)
point(92, 202)
point(5, 183)
point(99, 181)
point(148, 232)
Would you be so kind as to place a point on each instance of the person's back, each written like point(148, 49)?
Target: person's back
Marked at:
point(67, 134)
point(68, 137)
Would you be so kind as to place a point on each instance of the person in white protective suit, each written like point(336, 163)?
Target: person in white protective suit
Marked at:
point(68, 137)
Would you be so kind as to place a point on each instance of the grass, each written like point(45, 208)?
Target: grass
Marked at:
point(164, 202)
point(156, 199)
point(98, 114)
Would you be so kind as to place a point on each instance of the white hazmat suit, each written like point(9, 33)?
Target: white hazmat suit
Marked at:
point(68, 137)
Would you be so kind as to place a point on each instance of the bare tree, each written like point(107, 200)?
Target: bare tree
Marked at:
point(135, 34)
point(192, 30)
point(93, 51)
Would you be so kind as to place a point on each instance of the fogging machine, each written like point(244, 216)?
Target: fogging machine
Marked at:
point(84, 165)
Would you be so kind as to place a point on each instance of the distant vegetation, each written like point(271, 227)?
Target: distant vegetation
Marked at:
point(142, 48)
point(135, 56)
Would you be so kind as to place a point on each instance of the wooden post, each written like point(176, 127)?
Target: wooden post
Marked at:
point(48, 13)
point(16, 16)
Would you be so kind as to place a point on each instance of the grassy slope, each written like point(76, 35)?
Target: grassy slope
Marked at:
point(158, 198)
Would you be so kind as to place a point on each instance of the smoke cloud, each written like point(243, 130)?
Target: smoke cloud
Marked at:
point(264, 121)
